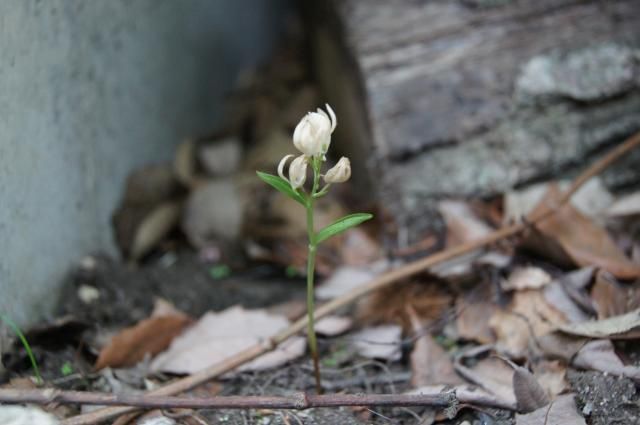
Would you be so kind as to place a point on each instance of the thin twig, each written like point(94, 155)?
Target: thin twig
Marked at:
point(297, 401)
point(382, 281)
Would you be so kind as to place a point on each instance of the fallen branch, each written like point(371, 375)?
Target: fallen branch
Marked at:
point(297, 401)
point(382, 281)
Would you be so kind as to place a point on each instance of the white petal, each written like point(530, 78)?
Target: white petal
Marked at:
point(281, 165)
point(334, 120)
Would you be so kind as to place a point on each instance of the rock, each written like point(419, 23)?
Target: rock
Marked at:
point(151, 185)
point(220, 158)
point(213, 211)
point(148, 211)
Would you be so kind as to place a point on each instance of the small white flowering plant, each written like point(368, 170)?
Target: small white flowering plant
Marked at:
point(312, 137)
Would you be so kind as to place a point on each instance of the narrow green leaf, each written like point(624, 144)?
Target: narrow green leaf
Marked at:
point(341, 225)
point(281, 185)
point(25, 344)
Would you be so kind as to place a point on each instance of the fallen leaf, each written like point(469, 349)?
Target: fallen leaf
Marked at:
point(466, 394)
point(512, 333)
point(611, 298)
point(343, 280)
point(292, 309)
point(219, 336)
point(624, 326)
point(528, 316)
point(149, 336)
point(600, 355)
point(568, 295)
point(430, 363)
point(526, 278)
point(333, 325)
point(389, 305)
point(494, 259)
point(626, 206)
point(490, 373)
point(529, 393)
point(380, 342)
point(551, 375)
point(556, 345)
point(474, 310)
point(561, 411)
point(19, 415)
point(154, 417)
point(462, 224)
point(457, 268)
point(570, 236)
point(359, 249)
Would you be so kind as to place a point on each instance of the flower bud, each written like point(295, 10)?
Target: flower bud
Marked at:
point(312, 135)
point(340, 172)
point(298, 171)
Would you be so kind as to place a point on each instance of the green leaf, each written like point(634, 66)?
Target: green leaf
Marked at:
point(341, 225)
point(66, 369)
point(281, 185)
point(220, 271)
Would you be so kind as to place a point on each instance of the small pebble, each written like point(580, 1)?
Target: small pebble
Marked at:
point(88, 294)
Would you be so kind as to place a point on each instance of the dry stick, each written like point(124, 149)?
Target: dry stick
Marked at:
point(298, 401)
point(386, 279)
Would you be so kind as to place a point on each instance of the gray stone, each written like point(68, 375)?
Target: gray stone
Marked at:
point(214, 212)
point(221, 157)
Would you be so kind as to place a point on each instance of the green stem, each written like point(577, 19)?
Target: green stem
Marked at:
point(311, 260)
point(16, 330)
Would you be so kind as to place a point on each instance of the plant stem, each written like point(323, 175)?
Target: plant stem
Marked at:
point(311, 261)
point(25, 344)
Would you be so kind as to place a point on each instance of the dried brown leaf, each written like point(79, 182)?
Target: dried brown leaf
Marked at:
point(359, 249)
point(556, 345)
point(379, 342)
point(462, 224)
point(611, 298)
point(600, 355)
point(333, 325)
point(625, 206)
point(568, 295)
point(389, 305)
point(491, 373)
point(561, 411)
point(570, 235)
point(551, 375)
point(466, 394)
point(528, 316)
point(529, 393)
point(155, 226)
point(430, 363)
point(624, 326)
point(218, 336)
point(474, 309)
point(527, 278)
point(149, 336)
